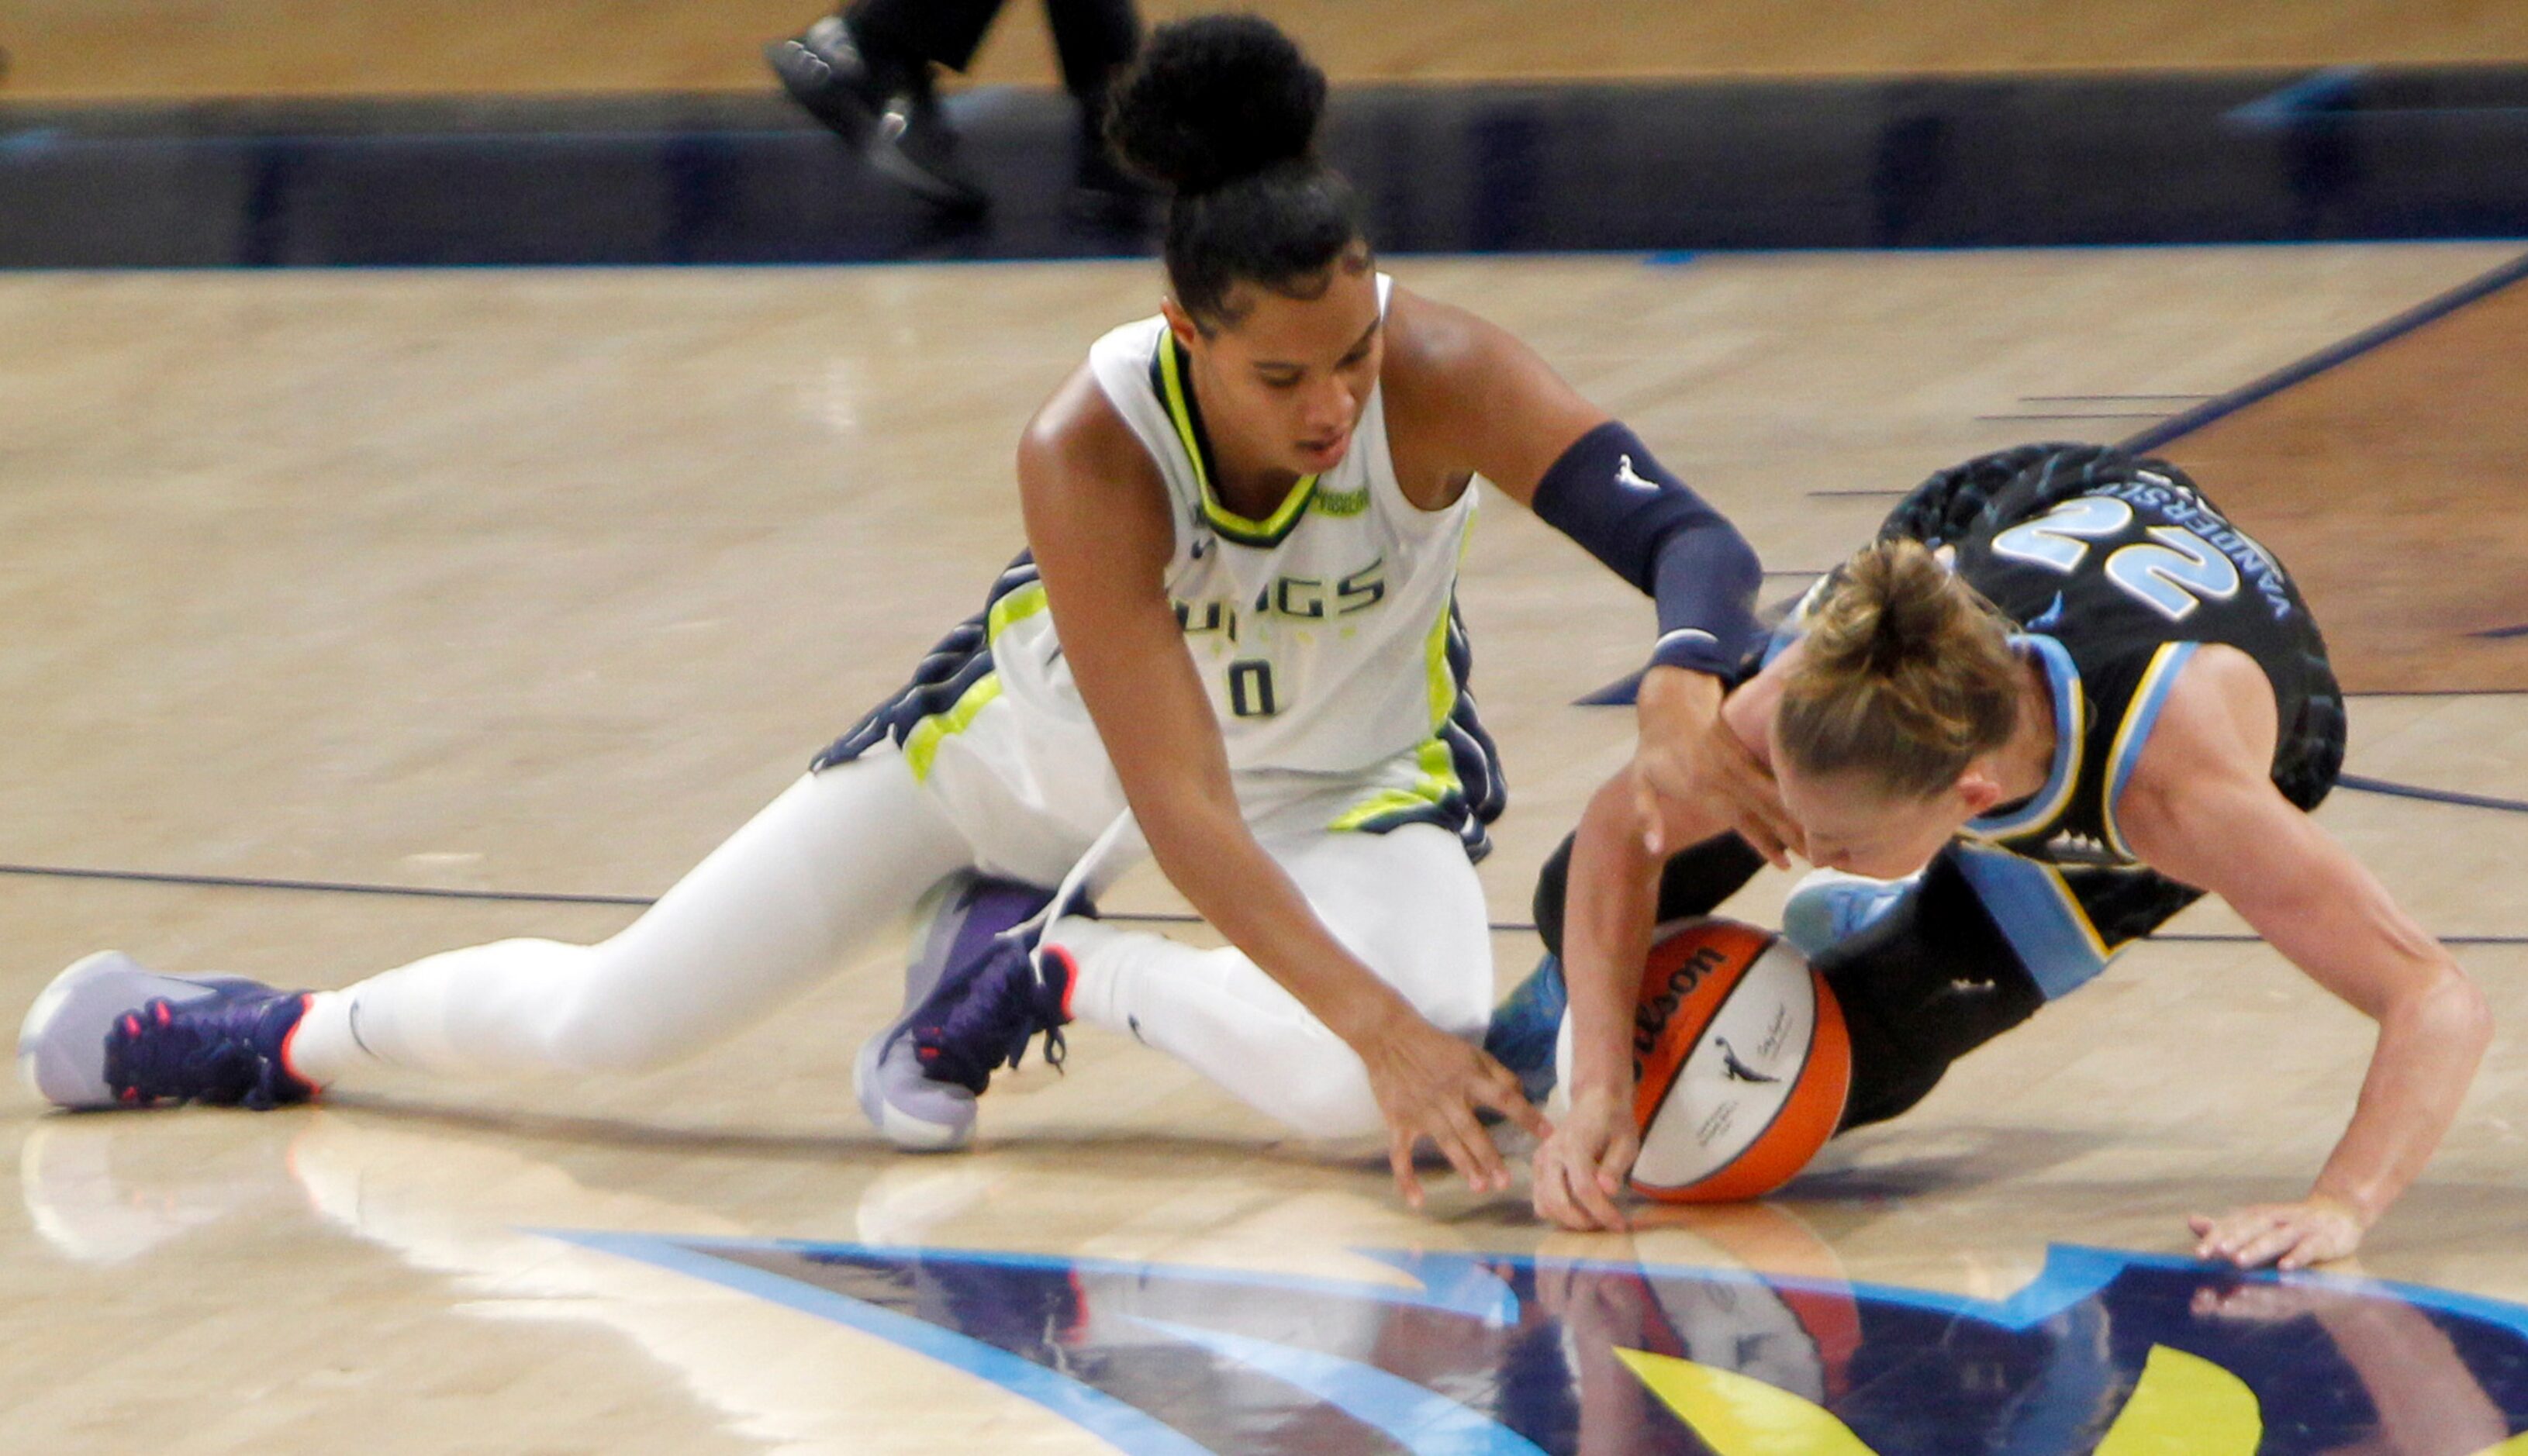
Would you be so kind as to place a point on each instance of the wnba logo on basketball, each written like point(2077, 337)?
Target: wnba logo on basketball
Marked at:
point(1740, 1063)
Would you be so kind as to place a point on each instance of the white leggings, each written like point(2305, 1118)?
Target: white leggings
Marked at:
point(830, 865)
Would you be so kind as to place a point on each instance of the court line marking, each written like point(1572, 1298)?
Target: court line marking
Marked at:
point(2343, 352)
point(2071, 1275)
point(324, 887)
point(2311, 97)
point(643, 902)
point(2329, 99)
point(2144, 414)
point(2363, 784)
point(1486, 1299)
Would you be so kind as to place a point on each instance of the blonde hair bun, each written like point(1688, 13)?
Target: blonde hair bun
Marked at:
point(1906, 673)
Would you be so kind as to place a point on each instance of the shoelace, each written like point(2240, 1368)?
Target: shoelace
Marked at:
point(152, 1055)
point(991, 1026)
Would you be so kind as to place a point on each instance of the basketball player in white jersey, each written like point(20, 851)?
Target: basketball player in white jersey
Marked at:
point(1233, 646)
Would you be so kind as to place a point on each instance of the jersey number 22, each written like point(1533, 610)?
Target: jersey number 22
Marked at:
point(2173, 573)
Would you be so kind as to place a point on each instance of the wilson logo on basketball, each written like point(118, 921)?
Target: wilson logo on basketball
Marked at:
point(1650, 1017)
point(1740, 1063)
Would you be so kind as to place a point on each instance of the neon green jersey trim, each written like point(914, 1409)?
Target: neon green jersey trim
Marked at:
point(1017, 607)
point(1379, 805)
point(1438, 765)
point(922, 745)
point(1272, 529)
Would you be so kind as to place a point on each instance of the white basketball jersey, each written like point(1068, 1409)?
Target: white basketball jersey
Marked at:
point(1326, 638)
point(1321, 632)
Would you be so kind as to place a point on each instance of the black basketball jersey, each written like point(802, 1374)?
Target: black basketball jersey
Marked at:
point(2116, 569)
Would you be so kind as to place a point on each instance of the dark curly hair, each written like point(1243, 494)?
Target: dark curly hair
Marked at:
point(1224, 110)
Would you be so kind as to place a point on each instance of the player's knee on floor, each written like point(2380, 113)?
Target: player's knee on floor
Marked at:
point(1325, 1092)
point(1332, 1107)
point(1320, 1089)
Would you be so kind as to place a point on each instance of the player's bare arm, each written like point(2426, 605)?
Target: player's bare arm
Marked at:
point(1097, 518)
point(1466, 397)
point(1607, 935)
point(2203, 809)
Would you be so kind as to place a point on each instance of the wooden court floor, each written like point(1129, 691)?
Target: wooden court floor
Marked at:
point(542, 581)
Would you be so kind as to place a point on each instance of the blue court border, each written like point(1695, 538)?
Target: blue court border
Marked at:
point(1417, 1417)
point(1669, 169)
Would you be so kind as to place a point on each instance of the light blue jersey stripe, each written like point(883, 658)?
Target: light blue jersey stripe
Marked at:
point(2071, 728)
point(2140, 716)
point(2038, 916)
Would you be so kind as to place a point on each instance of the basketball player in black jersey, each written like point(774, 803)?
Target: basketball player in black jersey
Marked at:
point(2059, 700)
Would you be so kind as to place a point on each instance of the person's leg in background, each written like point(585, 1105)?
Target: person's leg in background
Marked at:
point(1095, 39)
point(865, 71)
point(1931, 967)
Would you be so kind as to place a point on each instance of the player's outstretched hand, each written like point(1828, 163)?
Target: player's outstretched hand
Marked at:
point(1428, 1086)
point(1580, 1169)
point(1691, 762)
point(2287, 1236)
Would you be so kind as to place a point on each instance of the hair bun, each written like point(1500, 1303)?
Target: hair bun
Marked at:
point(1907, 674)
point(1913, 609)
point(1887, 611)
point(1216, 98)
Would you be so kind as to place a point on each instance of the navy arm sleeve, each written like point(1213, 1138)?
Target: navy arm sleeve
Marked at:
point(1609, 494)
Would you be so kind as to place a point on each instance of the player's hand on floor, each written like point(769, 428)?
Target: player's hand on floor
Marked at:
point(1428, 1086)
point(1691, 760)
point(2287, 1236)
point(2262, 1302)
point(1580, 1169)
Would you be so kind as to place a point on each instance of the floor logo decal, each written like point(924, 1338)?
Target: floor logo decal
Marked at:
point(1497, 1355)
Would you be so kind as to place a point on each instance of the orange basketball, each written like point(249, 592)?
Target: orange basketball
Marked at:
point(1740, 1062)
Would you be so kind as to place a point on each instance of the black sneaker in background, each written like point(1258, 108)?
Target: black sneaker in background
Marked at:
point(913, 145)
point(882, 105)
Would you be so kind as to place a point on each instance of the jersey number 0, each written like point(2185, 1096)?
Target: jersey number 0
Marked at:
point(1250, 689)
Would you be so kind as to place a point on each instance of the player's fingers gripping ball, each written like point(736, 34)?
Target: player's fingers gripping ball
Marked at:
point(1741, 1063)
